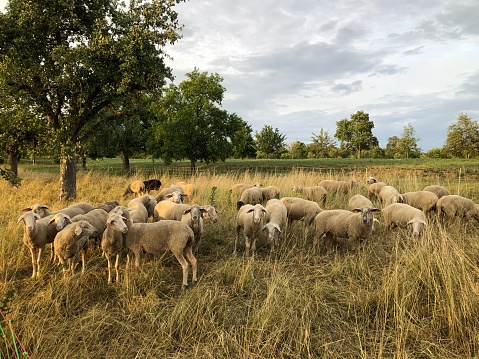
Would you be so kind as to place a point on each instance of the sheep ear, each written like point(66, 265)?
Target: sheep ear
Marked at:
point(21, 218)
point(27, 209)
point(375, 209)
point(184, 195)
point(264, 227)
point(410, 222)
point(67, 217)
point(356, 210)
point(250, 210)
point(423, 222)
point(186, 211)
point(78, 230)
point(52, 220)
point(277, 227)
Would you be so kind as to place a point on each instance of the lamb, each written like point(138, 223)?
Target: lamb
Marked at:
point(423, 200)
point(249, 220)
point(347, 228)
point(388, 195)
point(440, 191)
point(112, 242)
point(71, 241)
point(158, 237)
point(375, 188)
point(299, 209)
point(333, 186)
point(36, 234)
point(457, 206)
point(403, 215)
point(252, 195)
point(141, 208)
point(136, 187)
point(312, 193)
point(171, 194)
point(269, 192)
point(276, 216)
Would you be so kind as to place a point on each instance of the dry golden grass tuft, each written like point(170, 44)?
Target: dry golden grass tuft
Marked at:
point(398, 297)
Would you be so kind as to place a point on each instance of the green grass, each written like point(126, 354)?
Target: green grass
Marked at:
point(398, 297)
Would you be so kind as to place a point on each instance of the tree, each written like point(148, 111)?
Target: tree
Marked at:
point(408, 143)
point(191, 123)
point(355, 134)
point(269, 142)
point(392, 147)
point(242, 141)
point(322, 144)
point(297, 150)
point(74, 63)
point(463, 137)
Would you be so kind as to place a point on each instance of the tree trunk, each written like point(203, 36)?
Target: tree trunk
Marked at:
point(193, 167)
point(68, 175)
point(83, 162)
point(125, 161)
point(13, 162)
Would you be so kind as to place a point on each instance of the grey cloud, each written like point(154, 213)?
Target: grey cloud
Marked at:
point(346, 89)
point(415, 51)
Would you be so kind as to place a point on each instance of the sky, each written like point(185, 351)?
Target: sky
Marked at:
point(303, 65)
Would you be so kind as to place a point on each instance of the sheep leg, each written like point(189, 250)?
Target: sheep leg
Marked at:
point(83, 262)
point(52, 253)
point(33, 252)
point(247, 244)
point(109, 268)
point(117, 266)
point(138, 264)
point(194, 264)
point(184, 265)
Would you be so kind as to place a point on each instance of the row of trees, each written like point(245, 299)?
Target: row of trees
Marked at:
point(87, 79)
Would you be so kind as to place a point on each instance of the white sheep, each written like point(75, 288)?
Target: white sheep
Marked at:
point(36, 234)
point(375, 188)
point(211, 213)
point(423, 200)
point(312, 193)
point(171, 194)
point(136, 187)
point(157, 237)
point(189, 189)
point(38, 208)
point(252, 195)
point(70, 242)
point(112, 242)
point(358, 200)
point(237, 189)
point(440, 191)
point(347, 228)
point(72, 210)
point(300, 209)
point(269, 192)
point(334, 186)
point(249, 220)
point(141, 208)
point(276, 216)
point(388, 195)
point(403, 215)
point(371, 180)
point(452, 206)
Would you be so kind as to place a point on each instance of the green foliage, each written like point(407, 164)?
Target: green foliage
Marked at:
point(322, 145)
point(242, 142)
point(191, 123)
point(405, 146)
point(296, 150)
point(270, 143)
point(10, 177)
point(356, 134)
point(463, 138)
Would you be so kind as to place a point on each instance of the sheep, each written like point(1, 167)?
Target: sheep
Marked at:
point(171, 194)
point(237, 189)
point(72, 210)
point(112, 242)
point(312, 193)
point(347, 228)
point(157, 237)
point(388, 195)
point(252, 195)
point(211, 213)
point(276, 216)
point(136, 187)
point(269, 192)
point(141, 208)
point(333, 186)
point(440, 191)
point(457, 206)
point(249, 220)
point(38, 208)
point(371, 180)
point(375, 188)
point(403, 215)
point(300, 209)
point(71, 241)
point(188, 188)
point(358, 200)
point(36, 234)
point(423, 200)
point(152, 185)
point(97, 218)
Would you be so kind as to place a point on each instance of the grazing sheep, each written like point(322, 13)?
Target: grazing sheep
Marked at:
point(403, 215)
point(136, 187)
point(252, 195)
point(211, 213)
point(237, 189)
point(171, 194)
point(423, 200)
point(113, 242)
point(71, 241)
point(97, 218)
point(440, 191)
point(152, 185)
point(249, 220)
point(38, 208)
point(371, 180)
point(312, 193)
point(300, 209)
point(375, 188)
point(141, 208)
point(269, 192)
point(72, 210)
point(158, 237)
point(358, 200)
point(346, 228)
point(36, 234)
point(388, 195)
point(333, 186)
point(276, 216)
point(452, 206)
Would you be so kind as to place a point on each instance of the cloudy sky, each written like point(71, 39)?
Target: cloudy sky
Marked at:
point(302, 65)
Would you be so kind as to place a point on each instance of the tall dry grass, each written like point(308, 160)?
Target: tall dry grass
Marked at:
point(399, 297)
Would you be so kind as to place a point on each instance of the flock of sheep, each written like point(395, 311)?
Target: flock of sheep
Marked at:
point(154, 224)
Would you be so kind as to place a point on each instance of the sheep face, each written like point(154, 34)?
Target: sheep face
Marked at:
point(211, 213)
point(272, 231)
point(417, 225)
point(117, 222)
point(258, 211)
point(85, 229)
point(61, 220)
point(371, 180)
point(176, 197)
point(196, 213)
point(367, 214)
point(40, 209)
point(29, 220)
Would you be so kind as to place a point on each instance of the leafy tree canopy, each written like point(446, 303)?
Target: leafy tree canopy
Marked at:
point(356, 134)
point(463, 138)
point(270, 142)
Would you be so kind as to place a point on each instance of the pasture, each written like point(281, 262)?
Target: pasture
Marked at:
point(398, 297)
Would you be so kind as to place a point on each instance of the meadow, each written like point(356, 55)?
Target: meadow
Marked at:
point(398, 297)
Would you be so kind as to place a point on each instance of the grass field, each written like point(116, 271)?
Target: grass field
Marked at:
point(399, 297)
